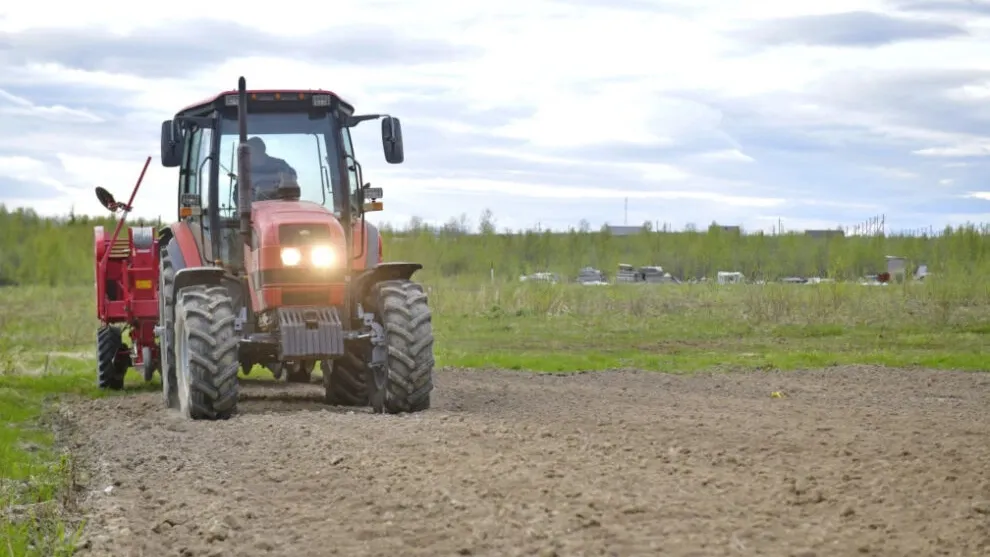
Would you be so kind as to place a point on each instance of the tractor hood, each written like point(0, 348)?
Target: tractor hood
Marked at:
point(280, 223)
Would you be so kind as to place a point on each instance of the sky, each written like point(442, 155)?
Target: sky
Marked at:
point(546, 112)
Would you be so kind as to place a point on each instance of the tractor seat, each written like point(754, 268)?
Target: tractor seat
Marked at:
point(121, 249)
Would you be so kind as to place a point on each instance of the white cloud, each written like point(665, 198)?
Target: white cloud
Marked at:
point(734, 155)
point(27, 170)
point(12, 105)
point(891, 172)
point(653, 172)
point(662, 108)
point(970, 150)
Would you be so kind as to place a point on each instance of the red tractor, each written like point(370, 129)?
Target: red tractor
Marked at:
point(272, 263)
point(126, 295)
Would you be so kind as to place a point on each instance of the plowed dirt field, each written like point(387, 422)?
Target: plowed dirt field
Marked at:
point(850, 461)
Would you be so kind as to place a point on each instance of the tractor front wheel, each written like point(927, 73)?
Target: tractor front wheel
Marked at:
point(206, 353)
point(401, 367)
point(110, 368)
point(166, 339)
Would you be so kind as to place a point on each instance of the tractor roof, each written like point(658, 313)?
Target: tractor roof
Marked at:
point(218, 98)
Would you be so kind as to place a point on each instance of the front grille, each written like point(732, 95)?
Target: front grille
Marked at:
point(305, 298)
point(303, 234)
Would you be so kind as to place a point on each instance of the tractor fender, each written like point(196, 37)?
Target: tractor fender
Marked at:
point(393, 270)
point(182, 250)
point(175, 254)
point(372, 239)
point(191, 276)
point(181, 240)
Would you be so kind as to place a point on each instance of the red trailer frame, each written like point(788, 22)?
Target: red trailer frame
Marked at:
point(127, 283)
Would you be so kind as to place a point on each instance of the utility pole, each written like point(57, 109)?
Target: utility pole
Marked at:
point(626, 220)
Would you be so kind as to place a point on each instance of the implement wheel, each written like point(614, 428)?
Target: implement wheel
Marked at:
point(110, 367)
point(345, 379)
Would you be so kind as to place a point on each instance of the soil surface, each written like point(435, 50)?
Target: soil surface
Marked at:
point(850, 461)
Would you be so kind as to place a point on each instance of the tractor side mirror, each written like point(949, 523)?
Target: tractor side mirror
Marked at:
point(392, 140)
point(171, 145)
point(106, 199)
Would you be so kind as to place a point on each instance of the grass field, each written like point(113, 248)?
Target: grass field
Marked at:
point(47, 338)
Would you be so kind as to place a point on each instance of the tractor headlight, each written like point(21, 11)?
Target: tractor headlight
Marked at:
point(323, 256)
point(291, 257)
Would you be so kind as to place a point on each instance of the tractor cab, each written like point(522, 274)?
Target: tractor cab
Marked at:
point(300, 153)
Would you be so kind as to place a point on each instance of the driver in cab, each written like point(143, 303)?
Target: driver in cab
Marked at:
point(267, 172)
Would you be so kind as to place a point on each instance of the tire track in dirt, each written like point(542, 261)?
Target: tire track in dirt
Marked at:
point(856, 460)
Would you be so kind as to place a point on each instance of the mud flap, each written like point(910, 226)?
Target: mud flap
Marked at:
point(382, 272)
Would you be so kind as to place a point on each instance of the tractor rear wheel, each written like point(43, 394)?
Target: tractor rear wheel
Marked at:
point(166, 339)
point(402, 362)
point(206, 353)
point(110, 369)
point(345, 380)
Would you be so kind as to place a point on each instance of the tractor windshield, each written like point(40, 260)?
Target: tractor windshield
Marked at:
point(290, 143)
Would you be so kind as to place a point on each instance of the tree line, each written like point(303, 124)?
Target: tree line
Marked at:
point(59, 251)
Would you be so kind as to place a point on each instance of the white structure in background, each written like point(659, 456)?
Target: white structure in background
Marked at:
point(646, 273)
point(590, 276)
point(730, 277)
point(552, 278)
point(626, 273)
point(897, 267)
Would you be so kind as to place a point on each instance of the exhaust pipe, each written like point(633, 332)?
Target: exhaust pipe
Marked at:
point(244, 187)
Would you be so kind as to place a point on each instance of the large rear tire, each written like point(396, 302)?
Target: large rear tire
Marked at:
point(345, 379)
point(166, 340)
point(206, 353)
point(110, 369)
point(405, 381)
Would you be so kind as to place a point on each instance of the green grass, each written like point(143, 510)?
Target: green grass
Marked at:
point(42, 358)
point(47, 338)
point(35, 477)
point(690, 328)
